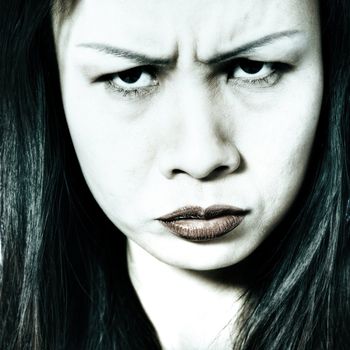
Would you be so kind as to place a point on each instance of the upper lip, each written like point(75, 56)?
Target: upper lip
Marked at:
point(196, 212)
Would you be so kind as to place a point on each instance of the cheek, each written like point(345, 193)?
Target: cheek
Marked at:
point(277, 142)
point(114, 148)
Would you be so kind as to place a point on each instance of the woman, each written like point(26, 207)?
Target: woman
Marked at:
point(202, 202)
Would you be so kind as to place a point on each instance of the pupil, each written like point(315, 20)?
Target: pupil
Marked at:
point(130, 76)
point(251, 67)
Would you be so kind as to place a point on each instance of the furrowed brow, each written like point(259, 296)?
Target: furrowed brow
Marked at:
point(135, 56)
point(250, 47)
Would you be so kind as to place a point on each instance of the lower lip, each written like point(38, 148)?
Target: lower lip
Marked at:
point(199, 230)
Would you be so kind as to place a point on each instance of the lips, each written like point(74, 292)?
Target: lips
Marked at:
point(197, 224)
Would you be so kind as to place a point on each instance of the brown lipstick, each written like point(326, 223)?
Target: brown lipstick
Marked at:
point(197, 224)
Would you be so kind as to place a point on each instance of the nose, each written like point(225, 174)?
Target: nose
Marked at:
point(199, 144)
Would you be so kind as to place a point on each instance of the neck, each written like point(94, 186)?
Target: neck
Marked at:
point(189, 309)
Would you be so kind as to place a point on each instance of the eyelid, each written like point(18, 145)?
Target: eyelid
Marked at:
point(230, 65)
point(233, 64)
point(154, 71)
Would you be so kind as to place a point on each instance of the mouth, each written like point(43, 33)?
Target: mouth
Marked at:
point(198, 225)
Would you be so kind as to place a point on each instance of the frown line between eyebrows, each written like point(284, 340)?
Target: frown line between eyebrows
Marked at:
point(170, 61)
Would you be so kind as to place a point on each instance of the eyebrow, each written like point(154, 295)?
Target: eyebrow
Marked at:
point(250, 47)
point(217, 59)
point(135, 56)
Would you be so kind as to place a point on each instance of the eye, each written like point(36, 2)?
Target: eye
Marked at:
point(133, 79)
point(131, 83)
point(258, 74)
point(248, 69)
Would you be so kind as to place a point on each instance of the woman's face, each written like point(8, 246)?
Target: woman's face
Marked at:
point(176, 103)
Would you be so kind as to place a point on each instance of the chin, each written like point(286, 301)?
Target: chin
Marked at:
point(202, 256)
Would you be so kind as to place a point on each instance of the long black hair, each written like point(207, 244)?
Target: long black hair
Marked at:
point(64, 282)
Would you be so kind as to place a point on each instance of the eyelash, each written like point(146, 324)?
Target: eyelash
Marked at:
point(277, 71)
point(139, 92)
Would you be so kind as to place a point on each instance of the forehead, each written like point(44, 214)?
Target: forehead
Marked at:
point(208, 25)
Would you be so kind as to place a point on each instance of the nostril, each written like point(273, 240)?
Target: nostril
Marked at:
point(219, 171)
point(177, 171)
point(221, 168)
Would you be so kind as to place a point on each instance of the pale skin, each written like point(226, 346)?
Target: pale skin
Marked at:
point(195, 127)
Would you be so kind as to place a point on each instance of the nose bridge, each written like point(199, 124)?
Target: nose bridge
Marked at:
point(197, 115)
point(200, 144)
point(198, 125)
